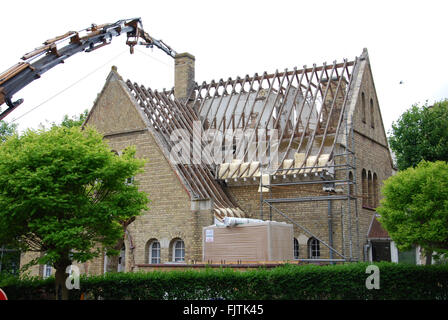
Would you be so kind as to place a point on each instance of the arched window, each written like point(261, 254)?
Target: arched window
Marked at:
point(296, 249)
point(363, 107)
point(364, 188)
point(122, 259)
point(178, 250)
point(313, 248)
point(154, 252)
point(372, 118)
point(369, 190)
point(376, 201)
point(47, 271)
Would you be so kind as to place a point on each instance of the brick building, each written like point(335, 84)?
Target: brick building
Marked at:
point(305, 146)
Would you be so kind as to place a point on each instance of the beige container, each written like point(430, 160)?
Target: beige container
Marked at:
point(264, 241)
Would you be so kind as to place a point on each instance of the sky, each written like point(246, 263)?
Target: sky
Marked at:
point(406, 41)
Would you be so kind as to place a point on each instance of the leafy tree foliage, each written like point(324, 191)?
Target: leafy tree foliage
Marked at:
point(421, 133)
point(9, 260)
point(414, 210)
point(75, 121)
point(7, 130)
point(63, 192)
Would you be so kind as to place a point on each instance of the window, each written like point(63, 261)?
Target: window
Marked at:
point(369, 190)
point(178, 251)
point(47, 271)
point(129, 181)
point(154, 252)
point(363, 107)
point(105, 263)
point(372, 118)
point(296, 249)
point(409, 256)
point(375, 191)
point(9, 260)
point(364, 188)
point(381, 251)
point(122, 260)
point(313, 248)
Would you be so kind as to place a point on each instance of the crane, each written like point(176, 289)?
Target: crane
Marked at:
point(47, 56)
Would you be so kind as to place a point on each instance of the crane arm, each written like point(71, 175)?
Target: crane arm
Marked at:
point(42, 59)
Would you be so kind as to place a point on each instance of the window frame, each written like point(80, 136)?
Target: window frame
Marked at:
point(370, 189)
point(47, 272)
point(151, 256)
point(182, 248)
point(313, 247)
point(129, 181)
point(121, 267)
point(375, 188)
point(296, 249)
point(365, 195)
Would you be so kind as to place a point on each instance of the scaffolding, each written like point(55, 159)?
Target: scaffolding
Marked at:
point(329, 182)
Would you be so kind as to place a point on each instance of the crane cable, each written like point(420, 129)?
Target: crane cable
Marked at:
point(153, 58)
point(70, 86)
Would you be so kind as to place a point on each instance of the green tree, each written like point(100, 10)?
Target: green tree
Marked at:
point(75, 121)
point(113, 259)
point(63, 193)
point(7, 130)
point(8, 259)
point(421, 133)
point(414, 210)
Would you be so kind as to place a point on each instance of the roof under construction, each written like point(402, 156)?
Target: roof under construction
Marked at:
point(298, 113)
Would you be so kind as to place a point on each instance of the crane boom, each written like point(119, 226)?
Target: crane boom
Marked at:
point(42, 59)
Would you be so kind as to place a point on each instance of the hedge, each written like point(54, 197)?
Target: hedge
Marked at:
point(289, 282)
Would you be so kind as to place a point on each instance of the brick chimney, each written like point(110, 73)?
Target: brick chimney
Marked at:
point(183, 75)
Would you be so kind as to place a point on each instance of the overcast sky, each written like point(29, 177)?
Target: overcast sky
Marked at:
point(406, 41)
